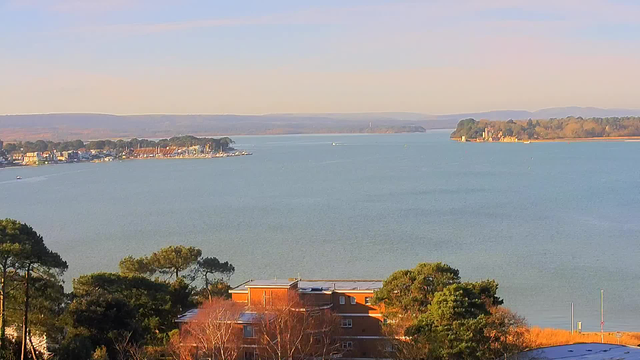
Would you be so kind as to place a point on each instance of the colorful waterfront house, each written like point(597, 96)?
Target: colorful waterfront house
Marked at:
point(17, 156)
point(84, 154)
point(357, 324)
point(49, 156)
point(33, 158)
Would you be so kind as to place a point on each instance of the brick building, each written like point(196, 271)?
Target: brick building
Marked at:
point(350, 300)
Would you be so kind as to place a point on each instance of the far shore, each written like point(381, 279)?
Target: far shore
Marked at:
point(611, 138)
point(592, 139)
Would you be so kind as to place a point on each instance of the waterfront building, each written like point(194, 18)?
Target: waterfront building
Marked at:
point(33, 158)
point(351, 301)
point(155, 152)
point(17, 156)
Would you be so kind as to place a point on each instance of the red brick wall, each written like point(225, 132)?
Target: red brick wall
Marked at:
point(272, 296)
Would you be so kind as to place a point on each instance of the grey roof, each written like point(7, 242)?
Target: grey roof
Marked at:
point(187, 316)
point(275, 282)
point(316, 285)
point(584, 352)
point(246, 317)
point(340, 285)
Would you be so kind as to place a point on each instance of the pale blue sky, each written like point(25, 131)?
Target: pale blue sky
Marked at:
point(252, 57)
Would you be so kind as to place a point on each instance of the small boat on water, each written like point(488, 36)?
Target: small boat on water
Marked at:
point(18, 177)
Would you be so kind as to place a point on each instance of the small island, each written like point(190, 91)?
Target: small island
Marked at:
point(42, 152)
point(565, 129)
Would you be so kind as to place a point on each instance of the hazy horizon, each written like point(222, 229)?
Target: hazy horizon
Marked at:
point(316, 113)
point(285, 56)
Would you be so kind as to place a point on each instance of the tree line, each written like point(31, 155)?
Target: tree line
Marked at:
point(124, 315)
point(221, 144)
point(565, 128)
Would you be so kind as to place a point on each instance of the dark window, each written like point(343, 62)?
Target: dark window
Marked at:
point(248, 331)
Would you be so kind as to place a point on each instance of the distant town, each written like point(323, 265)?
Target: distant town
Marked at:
point(42, 152)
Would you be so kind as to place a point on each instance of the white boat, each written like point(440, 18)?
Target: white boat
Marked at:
point(18, 177)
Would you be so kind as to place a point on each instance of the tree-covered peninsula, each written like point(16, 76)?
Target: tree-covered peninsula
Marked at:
point(565, 128)
point(221, 144)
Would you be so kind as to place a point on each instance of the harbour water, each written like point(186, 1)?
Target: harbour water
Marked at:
point(553, 223)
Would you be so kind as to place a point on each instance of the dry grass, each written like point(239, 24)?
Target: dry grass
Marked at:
point(539, 337)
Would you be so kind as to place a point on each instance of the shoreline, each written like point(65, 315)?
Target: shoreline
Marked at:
point(592, 139)
point(211, 156)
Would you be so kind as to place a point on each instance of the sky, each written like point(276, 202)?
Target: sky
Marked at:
point(310, 56)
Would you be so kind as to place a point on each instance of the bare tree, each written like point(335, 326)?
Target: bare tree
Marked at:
point(294, 330)
point(399, 346)
point(507, 332)
point(128, 349)
point(215, 331)
point(325, 332)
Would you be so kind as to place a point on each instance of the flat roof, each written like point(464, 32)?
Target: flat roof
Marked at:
point(339, 285)
point(187, 316)
point(246, 317)
point(314, 285)
point(271, 283)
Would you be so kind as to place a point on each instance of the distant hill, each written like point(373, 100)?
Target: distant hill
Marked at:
point(559, 112)
point(101, 126)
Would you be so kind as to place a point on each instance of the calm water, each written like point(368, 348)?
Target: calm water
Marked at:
point(553, 223)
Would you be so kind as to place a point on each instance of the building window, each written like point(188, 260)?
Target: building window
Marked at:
point(342, 300)
point(347, 345)
point(346, 323)
point(248, 331)
point(249, 355)
point(367, 300)
point(352, 299)
point(314, 313)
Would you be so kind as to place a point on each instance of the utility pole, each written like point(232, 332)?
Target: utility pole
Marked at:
point(572, 319)
point(602, 316)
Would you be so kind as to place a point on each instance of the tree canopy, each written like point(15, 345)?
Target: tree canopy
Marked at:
point(107, 315)
point(30, 280)
point(173, 260)
point(433, 315)
point(411, 291)
point(136, 266)
point(221, 144)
